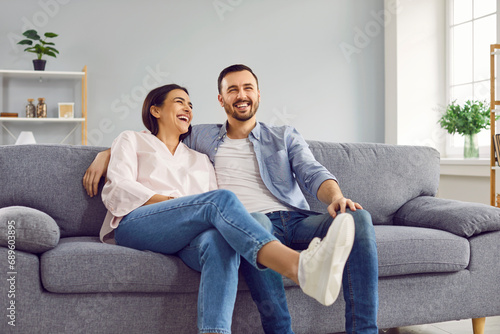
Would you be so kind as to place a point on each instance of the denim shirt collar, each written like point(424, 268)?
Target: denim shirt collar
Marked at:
point(255, 133)
point(223, 131)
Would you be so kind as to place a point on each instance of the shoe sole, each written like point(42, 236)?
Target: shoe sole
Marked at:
point(340, 238)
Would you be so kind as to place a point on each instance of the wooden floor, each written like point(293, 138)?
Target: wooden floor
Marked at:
point(452, 327)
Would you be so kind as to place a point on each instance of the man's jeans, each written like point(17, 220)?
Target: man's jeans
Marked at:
point(360, 278)
point(209, 232)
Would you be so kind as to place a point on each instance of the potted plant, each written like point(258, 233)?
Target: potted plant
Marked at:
point(40, 48)
point(467, 120)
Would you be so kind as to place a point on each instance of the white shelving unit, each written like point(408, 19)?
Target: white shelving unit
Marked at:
point(41, 120)
point(42, 74)
point(5, 122)
point(495, 110)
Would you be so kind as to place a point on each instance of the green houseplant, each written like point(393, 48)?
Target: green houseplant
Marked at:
point(467, 120)
point(42, 47)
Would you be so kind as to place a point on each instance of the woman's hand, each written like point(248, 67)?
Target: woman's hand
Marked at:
point(96, 170)
point(157, 198)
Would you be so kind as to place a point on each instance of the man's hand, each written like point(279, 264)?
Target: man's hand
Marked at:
point(96, 170)
point(329, 193)
point(340, 204)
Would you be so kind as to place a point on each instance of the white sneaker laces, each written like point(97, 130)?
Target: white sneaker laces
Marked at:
point(312, 248)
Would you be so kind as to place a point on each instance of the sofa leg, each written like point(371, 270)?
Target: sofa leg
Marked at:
point(478, 325)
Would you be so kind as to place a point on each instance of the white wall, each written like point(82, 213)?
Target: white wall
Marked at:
point(415, 72)
point(465, 188)
point(320, 63)
point(465, 181)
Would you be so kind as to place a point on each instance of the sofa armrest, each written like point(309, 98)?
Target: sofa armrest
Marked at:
point(464, 219)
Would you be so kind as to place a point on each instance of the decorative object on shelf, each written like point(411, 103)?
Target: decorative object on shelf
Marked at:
point(41, 48)
point(66, 109)
point(8, 114)
point(53, 85)
point(496, 148)
point(41, 108)
point(467, 120)
point(25, 137)
point(30, 109)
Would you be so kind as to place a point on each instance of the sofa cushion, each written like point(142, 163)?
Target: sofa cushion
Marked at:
point(49, 178)
point(85, 265)
point(406, 250)
point(461, 218)
point(27, 229)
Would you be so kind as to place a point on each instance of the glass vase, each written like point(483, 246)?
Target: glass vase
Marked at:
point(471, 146)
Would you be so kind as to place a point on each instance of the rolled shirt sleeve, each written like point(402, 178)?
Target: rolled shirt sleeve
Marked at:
point(308, 171)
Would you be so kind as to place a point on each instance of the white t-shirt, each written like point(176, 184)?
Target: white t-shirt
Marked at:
point(237, 170)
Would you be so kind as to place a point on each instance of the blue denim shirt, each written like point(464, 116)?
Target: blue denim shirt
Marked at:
point(283, 155)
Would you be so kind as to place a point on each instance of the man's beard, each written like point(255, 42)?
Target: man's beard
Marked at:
point(241, 117)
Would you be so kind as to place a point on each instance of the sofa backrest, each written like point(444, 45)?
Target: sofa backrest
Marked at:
point(49, 178)
point(380, 177)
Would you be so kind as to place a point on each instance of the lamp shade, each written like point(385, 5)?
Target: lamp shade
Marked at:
point(25, 137)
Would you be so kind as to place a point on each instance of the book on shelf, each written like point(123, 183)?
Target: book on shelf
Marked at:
point(496, 145)
point(8, 114)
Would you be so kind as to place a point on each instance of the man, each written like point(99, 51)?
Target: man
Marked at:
point(263, 166)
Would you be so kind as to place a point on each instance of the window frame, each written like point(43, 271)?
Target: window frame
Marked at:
point(455, 143)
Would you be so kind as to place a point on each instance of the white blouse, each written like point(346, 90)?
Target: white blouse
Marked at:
point(141, 166)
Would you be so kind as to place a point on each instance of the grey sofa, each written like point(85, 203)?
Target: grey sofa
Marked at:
point(438, 259)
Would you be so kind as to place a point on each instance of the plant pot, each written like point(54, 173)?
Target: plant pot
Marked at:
point(471, 146)
point(39, 64)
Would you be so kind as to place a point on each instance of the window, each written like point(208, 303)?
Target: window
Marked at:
point(472, 28)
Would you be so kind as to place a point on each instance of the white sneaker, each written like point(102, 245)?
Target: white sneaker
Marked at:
point(321, 265)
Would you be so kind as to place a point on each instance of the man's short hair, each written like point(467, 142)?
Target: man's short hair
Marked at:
point(234, 68)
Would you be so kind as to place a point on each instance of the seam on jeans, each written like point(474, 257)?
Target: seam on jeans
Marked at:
point(351, 298)
point(214, 330)
point(201, 312)
point(284, 226)
point(277, 231)
point(201, 258)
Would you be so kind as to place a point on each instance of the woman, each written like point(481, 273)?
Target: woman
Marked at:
point(162, 196)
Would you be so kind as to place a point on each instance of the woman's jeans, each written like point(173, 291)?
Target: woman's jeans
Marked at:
point(360, 278)
point(209, 232)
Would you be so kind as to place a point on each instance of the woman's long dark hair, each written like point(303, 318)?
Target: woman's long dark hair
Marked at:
point(156, 97)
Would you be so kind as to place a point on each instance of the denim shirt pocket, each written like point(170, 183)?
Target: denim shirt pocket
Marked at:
point(278, 167)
